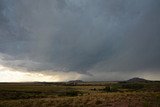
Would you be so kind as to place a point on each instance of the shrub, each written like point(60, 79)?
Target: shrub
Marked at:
point(72, 93)
point(110, 89)
point(134, 86)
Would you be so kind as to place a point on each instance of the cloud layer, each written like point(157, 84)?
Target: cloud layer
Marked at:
point(81, 36)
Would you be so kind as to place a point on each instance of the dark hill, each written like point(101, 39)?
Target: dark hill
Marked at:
point(76, 81)
point(136, 79)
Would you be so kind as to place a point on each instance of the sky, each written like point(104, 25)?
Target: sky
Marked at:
point(92, 40)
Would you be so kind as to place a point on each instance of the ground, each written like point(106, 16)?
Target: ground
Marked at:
point(88, 94)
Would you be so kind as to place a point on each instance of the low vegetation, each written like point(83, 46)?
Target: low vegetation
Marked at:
point(83, 94)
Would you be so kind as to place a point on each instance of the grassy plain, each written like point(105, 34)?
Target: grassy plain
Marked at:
point(85, 94)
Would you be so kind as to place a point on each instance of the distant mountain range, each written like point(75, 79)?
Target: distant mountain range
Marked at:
point(135, 79)
point(76, 81)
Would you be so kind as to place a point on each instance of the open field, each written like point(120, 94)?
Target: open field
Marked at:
point(85, 94)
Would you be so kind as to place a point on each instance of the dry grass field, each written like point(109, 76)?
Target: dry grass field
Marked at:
point(94, 94)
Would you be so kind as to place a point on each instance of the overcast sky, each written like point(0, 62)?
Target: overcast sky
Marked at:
point(90, 39)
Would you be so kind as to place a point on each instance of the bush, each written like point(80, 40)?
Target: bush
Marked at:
point(72, 93)
point(110, 89)
point(134, 86)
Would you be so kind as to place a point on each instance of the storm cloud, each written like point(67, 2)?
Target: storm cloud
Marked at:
point(81, 35)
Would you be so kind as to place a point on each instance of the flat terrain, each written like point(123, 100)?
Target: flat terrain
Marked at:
point(82, 94)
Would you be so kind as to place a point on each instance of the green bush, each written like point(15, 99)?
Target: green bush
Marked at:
point(72, 93)
point(110, 89)
point(134, 86)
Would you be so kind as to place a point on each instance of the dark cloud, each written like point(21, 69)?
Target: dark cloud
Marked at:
point(80, 35)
